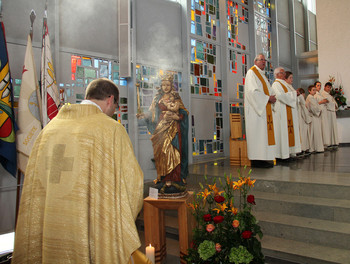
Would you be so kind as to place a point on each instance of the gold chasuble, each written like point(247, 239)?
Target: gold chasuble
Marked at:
point(269, 118)
point(291, 138)
point(83, 189)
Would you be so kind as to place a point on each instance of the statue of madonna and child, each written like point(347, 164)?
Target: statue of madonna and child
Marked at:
point(167, 121)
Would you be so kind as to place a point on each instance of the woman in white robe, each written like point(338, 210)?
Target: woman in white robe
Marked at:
point(331, 107)
point(316, 143)
point(322, 101)
point(304, 121)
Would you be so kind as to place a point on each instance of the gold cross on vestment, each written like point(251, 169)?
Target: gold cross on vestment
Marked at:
point(269, 122)
point(58, 163)
point(290, 126)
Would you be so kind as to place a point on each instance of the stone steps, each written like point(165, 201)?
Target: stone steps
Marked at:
point(302, 252)
point(313, 207)
point(309, 230)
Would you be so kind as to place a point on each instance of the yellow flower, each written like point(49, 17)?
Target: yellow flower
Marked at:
point(220, 208)
point(192, 206)
point(238, 184)
point(205, 194)
point(234, 210)
point(215, 189)
point(250, 182)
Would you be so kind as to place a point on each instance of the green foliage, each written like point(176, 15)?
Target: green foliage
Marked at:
point(226, 230)
point(206, 249)
point(240, 255)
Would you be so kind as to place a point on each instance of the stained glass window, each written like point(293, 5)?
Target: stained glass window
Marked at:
point(237, 25)
point(205, 18)
point(263, 7)
point(86, 69)
point(205, 74)
point(263, 35)
point(212, 145)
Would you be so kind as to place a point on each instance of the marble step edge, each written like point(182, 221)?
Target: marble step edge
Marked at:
point(304, 222)
point(302, 252)
point(300, 199)
point(305, 177)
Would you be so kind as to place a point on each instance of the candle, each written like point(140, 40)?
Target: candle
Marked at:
point(150, 253)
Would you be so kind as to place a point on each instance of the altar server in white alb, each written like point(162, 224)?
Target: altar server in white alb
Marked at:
point(316, 142)
point(259, 120)
point(287, 124)
point(331, 107)
point(304, 122)
point(322, 101)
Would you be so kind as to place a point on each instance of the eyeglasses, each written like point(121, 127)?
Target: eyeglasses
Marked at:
point(261, 60)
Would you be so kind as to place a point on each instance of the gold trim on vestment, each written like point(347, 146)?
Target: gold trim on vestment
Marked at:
point(291, 138)
point(269, 118)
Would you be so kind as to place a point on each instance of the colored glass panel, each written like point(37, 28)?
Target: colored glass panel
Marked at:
point(237, 25)
point(205, 17)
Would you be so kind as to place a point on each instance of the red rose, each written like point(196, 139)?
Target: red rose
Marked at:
point(251, 199)
point(247, 234)
point(218, 219)
point(219, 199)
point(207, 217)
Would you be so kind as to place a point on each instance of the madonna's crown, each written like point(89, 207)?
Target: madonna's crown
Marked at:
point(167, 77)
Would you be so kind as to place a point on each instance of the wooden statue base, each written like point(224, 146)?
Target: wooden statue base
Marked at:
point(153, 213)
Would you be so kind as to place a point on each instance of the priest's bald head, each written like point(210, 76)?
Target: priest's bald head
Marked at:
point(105, 93)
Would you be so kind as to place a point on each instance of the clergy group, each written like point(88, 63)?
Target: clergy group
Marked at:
point(281, 125)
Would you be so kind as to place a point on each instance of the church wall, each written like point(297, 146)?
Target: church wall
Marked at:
point(89, 25)
point(333, 42)
point(333, 49)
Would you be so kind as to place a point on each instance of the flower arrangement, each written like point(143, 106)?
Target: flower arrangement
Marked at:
point(337, 93)
point(226, 231)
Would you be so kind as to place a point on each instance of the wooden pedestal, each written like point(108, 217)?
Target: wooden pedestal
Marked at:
point(155, 226)
point(238, 153)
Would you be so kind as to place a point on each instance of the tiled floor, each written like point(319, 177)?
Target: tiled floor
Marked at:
point(328, 167)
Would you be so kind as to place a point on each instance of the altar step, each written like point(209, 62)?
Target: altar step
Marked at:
point(302, 252)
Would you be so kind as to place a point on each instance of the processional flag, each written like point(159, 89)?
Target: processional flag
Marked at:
point(49, 93)
point(8, 127)
point(29, 107)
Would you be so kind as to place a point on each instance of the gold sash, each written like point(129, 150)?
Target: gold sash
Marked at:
point(291, 138)
point(269, 118)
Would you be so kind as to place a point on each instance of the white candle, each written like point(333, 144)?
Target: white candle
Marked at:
point(150, 253)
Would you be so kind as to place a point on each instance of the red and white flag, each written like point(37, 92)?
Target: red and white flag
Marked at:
point(29, 106)
point(49, 92)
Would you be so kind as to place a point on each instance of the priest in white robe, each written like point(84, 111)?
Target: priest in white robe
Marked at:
point(331, 107)
point(322, 101)
point(83, 188)
point(259, 119)
point(287, 124)
point(316, 142)
point(304, 121)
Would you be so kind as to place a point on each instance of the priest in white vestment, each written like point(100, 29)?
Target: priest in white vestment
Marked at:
point(322, 101)
point(304, 121)
point(287, 124)
point(83, 188)
point(316, 142)
point(259, 119)
point(331, 107)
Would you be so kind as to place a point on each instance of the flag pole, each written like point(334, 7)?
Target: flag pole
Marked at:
point(32, 18)
point(18, 194)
